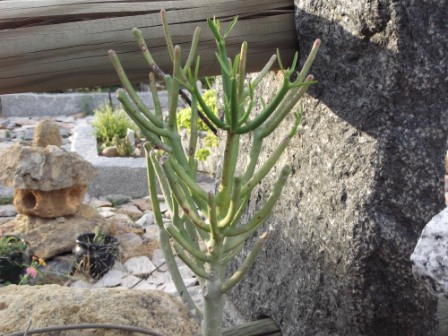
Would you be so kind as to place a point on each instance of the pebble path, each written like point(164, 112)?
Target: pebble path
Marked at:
point(143, 265)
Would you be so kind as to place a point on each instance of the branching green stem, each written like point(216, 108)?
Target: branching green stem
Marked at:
point(212, 218)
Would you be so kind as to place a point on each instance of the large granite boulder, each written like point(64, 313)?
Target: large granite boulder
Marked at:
point(53, 305)
point(367, 174)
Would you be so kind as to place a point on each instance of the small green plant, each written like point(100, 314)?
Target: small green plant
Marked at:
point(124, 146)
point(6, 200)
point(100, 236)
point(212, 218)
point(11, 244)
point(86, 105)
point(110, 123)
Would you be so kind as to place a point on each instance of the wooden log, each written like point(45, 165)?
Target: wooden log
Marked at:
point(50, 45)
point(264, 327)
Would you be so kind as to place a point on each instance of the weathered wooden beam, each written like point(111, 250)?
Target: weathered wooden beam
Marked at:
point(58, 44)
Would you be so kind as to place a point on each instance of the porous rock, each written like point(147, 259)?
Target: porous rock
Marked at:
point(47, 133)
point(53, 305)
point(366, 175)
point(49, 204)
point(430, 258)
point(49, 168)
point(52, 236)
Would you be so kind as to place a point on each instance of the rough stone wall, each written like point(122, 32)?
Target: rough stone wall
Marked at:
point(367, 174)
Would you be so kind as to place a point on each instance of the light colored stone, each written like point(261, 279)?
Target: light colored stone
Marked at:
point(158, 259)
point(97, 203)
point(430, 258)
point(48, 237)
point(131, 245)
point(130, 134)
point(131, 210)
point(55, 305)
point(110, 151)
point(130, 281)
point(47, 133)
point(190, 282)
point(157, 278)
point(121, 220)
point(142, 203)
point(111, 279)
point(7, 210)
point(152, 232)
point(49, 168)
point(163, 207)
point(140, 266)
point(143, 285)
point(106, 213)
point(81, 284)
point(185, 272)
point(146, 220)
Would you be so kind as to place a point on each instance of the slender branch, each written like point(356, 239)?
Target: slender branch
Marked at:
point(130, 90)
point(195, 267)
point(264, 115)
point(266, 167)
point(137, 117)
point(262, 214)
point(234, 203)
point(189, 182)
point(246, 265)
point(177, 235)
point(182, 200)
point(212, 216)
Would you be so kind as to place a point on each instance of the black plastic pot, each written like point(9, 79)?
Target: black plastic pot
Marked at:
point(14, 263)
point(95, 259)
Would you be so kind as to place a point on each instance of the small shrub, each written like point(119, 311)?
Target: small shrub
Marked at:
point(110, 123)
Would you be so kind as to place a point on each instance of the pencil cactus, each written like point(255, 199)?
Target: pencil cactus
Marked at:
point(206, 231)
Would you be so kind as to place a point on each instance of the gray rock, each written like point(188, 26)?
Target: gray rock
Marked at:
point(140, 266)
point(4, 123)
point(158, 259)
point(112, 278)
point(130, 281)
point(7, 210)
point(146, 220)
point(366, 174)
point(49, 168)
point(48, 237)
point(430, 258)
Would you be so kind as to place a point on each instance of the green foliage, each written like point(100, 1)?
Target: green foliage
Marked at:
point(99, 237)
point(86, 105)
point(11, 244)
point(184, 115)
point(124, 147)
point(110, 123)
point(183, 118)
point(202, 154)
point(6, 200)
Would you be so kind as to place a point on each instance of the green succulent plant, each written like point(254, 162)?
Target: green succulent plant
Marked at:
point(206, 229)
